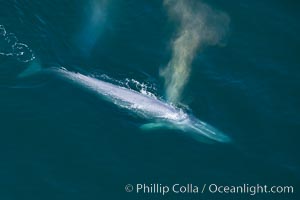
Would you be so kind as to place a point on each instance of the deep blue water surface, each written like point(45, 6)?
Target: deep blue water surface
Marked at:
point(58, 141)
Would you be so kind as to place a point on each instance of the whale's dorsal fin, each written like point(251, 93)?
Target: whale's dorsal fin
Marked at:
point(32, 69)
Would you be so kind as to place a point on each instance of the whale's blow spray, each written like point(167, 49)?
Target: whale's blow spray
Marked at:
point(199, 25)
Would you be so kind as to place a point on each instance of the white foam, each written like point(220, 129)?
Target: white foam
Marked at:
point(10, 46)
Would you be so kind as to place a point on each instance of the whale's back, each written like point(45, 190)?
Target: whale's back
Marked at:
point(124, 97)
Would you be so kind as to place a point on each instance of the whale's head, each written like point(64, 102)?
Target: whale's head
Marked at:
point(190, 125)
point(201, 130)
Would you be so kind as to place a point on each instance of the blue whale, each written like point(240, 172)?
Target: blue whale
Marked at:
point(160, 113)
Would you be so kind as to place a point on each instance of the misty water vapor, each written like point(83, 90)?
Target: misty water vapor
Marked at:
point(198, 26)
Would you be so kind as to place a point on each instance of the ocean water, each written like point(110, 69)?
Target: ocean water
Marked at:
point(59, 141)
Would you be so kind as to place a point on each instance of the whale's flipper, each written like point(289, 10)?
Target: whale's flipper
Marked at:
point(155, 126)
point(151, 126)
